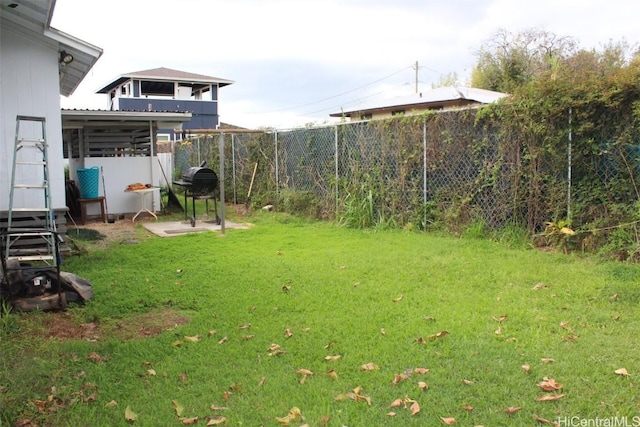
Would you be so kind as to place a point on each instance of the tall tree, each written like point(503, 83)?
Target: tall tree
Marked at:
point(508, 61)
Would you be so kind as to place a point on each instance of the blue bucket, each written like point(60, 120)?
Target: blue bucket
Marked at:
point(89, 180)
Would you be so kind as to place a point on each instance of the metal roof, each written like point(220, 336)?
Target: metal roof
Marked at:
point(439, 97)
point(165, 74)
point(124, 115)
point(34, 17)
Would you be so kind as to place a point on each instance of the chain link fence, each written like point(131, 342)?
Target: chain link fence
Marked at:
point(448, 169)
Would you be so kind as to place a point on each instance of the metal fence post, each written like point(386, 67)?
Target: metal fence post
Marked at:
point(569, 160)
point(424, 169)
point(336, 157)
point(221, 183)
point(275, 141)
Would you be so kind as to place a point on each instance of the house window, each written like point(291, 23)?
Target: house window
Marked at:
point(397, 113)
point(366, 116)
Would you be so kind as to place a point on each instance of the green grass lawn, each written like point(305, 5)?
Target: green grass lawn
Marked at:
point(183, 323)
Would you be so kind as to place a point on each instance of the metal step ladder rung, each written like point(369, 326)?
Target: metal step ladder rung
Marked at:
point(35, 140)
point(32, 258)
point(31, 163)
point(42, 186)
point(31, 209)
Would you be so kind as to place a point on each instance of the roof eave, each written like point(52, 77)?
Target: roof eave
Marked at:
point(85, 55)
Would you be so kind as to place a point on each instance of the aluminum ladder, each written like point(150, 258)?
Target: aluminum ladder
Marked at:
point(31, 241)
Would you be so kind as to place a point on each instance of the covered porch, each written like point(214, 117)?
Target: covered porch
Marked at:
point(122, 145)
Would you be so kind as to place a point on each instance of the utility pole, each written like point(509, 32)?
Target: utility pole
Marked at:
point(416, 68)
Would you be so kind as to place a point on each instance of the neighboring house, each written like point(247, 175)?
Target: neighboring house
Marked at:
point(164, 89)
point(38, 63)
point(442, 98)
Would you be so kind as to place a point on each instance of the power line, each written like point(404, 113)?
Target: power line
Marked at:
point(356, 101)
point(331, 97)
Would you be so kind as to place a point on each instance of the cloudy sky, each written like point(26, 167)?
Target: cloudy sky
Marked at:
point(296, 61)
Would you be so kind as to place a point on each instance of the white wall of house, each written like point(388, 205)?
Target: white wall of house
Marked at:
point(118, 173)
point(29, 86)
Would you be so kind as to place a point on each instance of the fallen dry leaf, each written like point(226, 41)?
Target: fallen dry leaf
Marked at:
point(194, 338)
point(549, 397)
point(422, 385)
point(226, 395)
point(304, 372)
point(176, 343)
point(262, 380)
point(293, 415)
point(95, 357)
point(335, 357)
point(111, 404)
point(512, 409)
point(333, 374)
point(622, 371)
point(212, 332)
point(245, 326)
point(526, 368)
point(498, 331)
point(215, 407)
point(613, 297)
point(420, 340)
point(397, 299)
point(440, 334)
point(448, 420)
point(398, 378)
point(151, 372)
point(177, 407)
point(421, 370)
point(129, 415)
point(396, 403)
point(545, 421)
point(182, 377)
point(549, 384)
point(248, 337)
point(275, 350)
point(189, 421)
point(467, 382)
point(414, 408)
point(343, 396)
point(468, 408)
point(391, 414)
point(383, 331)
point(500, 319)
point(288, 333)
point(223, 340)
point(547, 360)
point(216, 420)
point(369, 367)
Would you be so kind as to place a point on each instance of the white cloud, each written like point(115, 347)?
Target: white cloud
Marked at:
point(288, 56)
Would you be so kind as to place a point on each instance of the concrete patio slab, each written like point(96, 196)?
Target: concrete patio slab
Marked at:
point(176, 228)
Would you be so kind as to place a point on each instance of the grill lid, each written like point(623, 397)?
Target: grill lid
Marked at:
point(203, 180)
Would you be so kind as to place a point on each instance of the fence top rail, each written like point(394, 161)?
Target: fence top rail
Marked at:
point(192, 132)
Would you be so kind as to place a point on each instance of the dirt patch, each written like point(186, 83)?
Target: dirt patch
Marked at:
point(122, 231)
point(62, 326)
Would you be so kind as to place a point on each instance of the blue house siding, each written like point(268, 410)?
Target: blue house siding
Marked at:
point(204, 113)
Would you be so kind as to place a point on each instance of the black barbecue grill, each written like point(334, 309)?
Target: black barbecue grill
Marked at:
point(199, 182)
